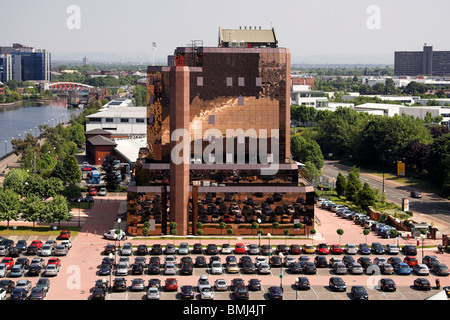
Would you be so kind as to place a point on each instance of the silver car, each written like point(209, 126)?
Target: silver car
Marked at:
point(170, 268)
point(60, 250)
point(421, 269)
point(125, 260)
point(24, 284)
point(288, 260)
point(340, 268)
point(3, 251)
point(226, 248)
point(153, 293)
point(264, 268)
point(207, 294)
point(216, 268)
point(67, 243)
point(51, 270)
point(170, 259)
point(183, 248)
point(47, 250)
point(122, 269)
point(355, 268)
point(17, 270)
point(203, 282)
point(220, 285)
point(260, 260)
point(351, 249)
point(386, 268)
point(380, 260)
point(127, 249)
point(3, 270)
point(392, 249)
point(253, 249)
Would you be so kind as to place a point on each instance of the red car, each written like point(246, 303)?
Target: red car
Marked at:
point(37, 243)
point(92, 192)
point(336, 249)
point(56, 261)
point(239, 248)
point(64, 235)
point(411, 261)
point(171, 284)
point(9, 262)
point(295, 249)
point(322, 248)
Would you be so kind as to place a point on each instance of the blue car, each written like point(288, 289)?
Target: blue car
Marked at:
point(364, 248)
point(19, 294)
point(402, 268)
point(17, 270)
point(276, 293)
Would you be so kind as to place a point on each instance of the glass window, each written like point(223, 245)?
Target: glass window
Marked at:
point(199, 81)
point(241, 81)
point(124, 120)
point(229, 81)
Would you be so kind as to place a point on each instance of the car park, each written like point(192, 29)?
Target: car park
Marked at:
point(183, 248)
point(422, 284)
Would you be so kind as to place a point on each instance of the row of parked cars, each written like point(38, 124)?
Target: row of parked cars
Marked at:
point(24, 290)
point(10, 248)
point(23, 266)
point(381, 229)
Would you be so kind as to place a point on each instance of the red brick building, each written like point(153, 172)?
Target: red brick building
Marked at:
point(303, 81)
point(98, 147)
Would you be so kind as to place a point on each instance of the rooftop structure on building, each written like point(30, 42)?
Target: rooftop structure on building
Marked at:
point(246, 37)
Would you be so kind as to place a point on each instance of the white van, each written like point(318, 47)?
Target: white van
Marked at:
point(110, 234)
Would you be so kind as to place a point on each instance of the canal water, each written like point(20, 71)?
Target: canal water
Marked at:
point(16, 122)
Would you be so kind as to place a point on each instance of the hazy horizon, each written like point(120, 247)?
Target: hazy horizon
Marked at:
point(320, 32)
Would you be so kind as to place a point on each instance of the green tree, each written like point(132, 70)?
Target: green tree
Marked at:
point(340, 232)
point(341, 184)
point(32, 208)
point(353, 185)
point(304, 150)
point(145, 231)
point(15, 180)
point(310, 172)
point(366, 197)
point(438, 162)
point(140, 96)
point(57, 210)
point(229, 232)
point(366, 232)
point(275, 225)
point(222, 226)
point(9, 206)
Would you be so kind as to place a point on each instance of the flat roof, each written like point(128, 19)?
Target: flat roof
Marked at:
point(99, 140)
point(121, 112)
point(129, 148)
point(263, 36)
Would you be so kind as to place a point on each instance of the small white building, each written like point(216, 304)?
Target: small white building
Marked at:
point(122, 122)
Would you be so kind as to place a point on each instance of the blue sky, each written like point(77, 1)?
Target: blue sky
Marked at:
point(320, 31)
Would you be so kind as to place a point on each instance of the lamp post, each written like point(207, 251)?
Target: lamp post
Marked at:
point(259, 233)
point(422, 236)
point(388, 150)
point(119, 221)
point(6, 147)
point(79, 209)
point(110, 273)
point(281, 270)
point(270, 248)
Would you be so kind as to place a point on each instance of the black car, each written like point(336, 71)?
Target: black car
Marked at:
point(19, 294)
point(154, 268)
point(394, 260)
point(108, 261)
point(422, 284)
point(32, 250)
point(320, 262)
point(34, 270)
point(101, 283)
point(377, 248)
point(387, 284)
point(359, 293)
point(213, 259)
point(275, 261)
point(23, 261)
point(276, 293)
point(249, 267)
point(244, 259)
point(8, 285)
point(154, 283)
point(109, 248)
point(237, 282)
point(430, 260)
point(186, 268)
point(142, 250)
point(348, 260)
point(120, 284)
point(104, 270)
point(211, 249)
point(295, 268)
point(440, 269)
point(170, 249)
point(241, 293)
point(409, 250)
point(186, 260)
point(309, 268)
point(281, 248)
point(197, 248)
point(364, 262)
point(266, 250)
point(137, 268)
point(156, 249)
point(187, 292)
point(254, 284)
point(37, 293)
point(98, 294)
point(337, 284)
point(155, 260)
point(200, 262)
point(302, 283)
point(15, 252)
point(22, 244)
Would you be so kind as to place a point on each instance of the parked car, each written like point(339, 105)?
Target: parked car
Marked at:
point(430, 260)
point(153, 293)
point(392, 248)
point(8, 285)
point(321, 262)
point(415, 194)
point(3, 270)
point(350, 249)
point(241, 293)
point(359, 293)
point(377, 248)
point(183, 248)
point(17, 270)
point(203, 282)
point(336, 249)
point(402, 268)
point(409, 250)
point(337, 284)
point(421, 269)
point(387, 284)
point(18, 294)
point(411, 261)
point(275, 293)
point(422, 284)
point(364, 248)
point(302, 283)
point(322, 248)
point(60, 250)
point(440, 269)
point(307, 248)
point(386, 268)
point(254, 284)
point(102, 192)
point(220, 285)
point(51, 270)
point(187, 292)
point(355, 268)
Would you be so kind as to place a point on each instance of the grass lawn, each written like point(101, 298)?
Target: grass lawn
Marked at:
point(81, 205)
point(37, 231)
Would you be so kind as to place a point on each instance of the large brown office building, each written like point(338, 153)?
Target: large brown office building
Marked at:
point(231, 106)
point(426, 62)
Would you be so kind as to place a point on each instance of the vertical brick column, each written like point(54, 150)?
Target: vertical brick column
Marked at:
point(179, 173)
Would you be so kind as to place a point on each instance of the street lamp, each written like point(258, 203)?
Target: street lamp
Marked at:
point(259, 233)
point(110, 273)
point(388, 150)
point(422, 236)
point(79, 209)
point(270, 248)
point(119, 221)
point(281, 270)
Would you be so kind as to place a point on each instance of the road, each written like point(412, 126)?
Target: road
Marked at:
point(430, 205)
